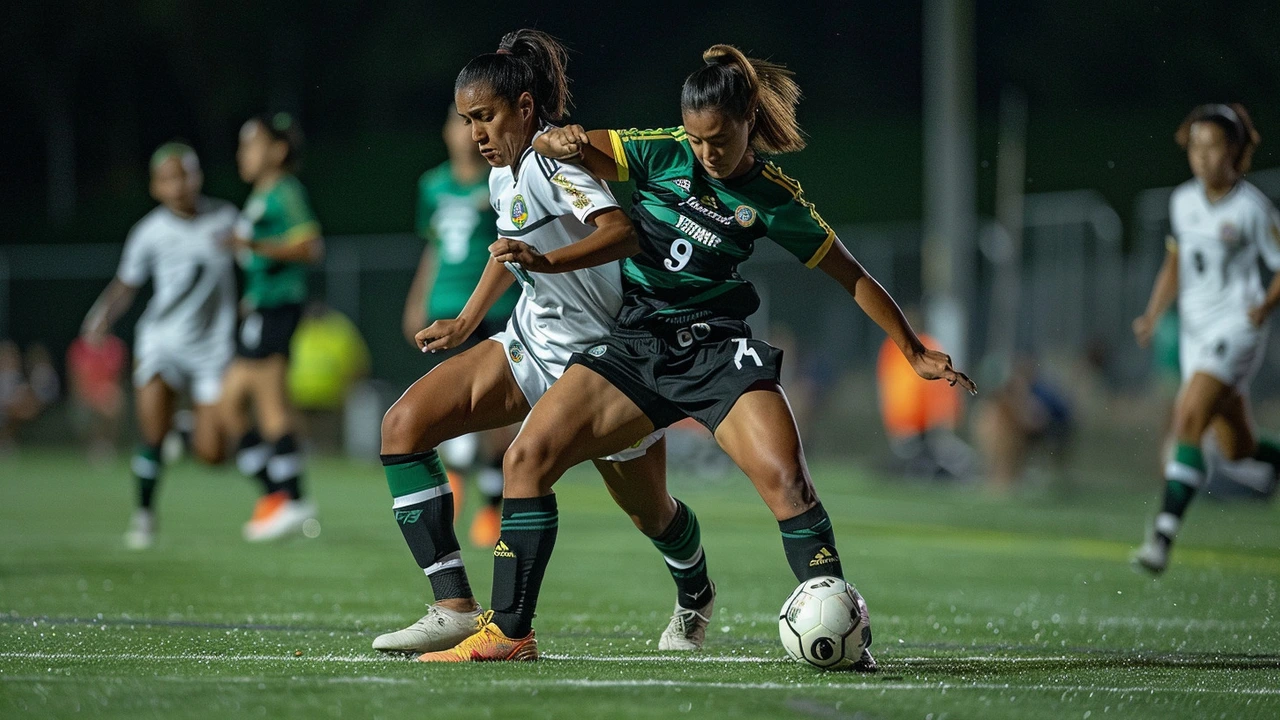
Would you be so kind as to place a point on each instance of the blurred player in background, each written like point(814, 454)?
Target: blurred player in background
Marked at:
point(508, 98)
point(1221, 226)
point(184, 339)
point(276, 239)
point(681, 346)
point(456, 220)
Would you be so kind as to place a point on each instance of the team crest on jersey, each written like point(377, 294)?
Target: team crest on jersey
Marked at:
point(519, 211)
point(597, 351)
point(745, 215)
point(577, 197)
point(516, 350)
point(1229, 234)
point(683, 184)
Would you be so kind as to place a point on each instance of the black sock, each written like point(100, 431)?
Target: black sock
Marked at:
point(423, 506)
point(520, 559)
point(284, 469)
point(146, 470)
point(252, 455)
point(681, 547)
point(1268, 452)
point(810, 544)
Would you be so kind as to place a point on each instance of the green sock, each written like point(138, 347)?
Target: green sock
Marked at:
point(422, 504)
point(1268, 452)
point(146, 470)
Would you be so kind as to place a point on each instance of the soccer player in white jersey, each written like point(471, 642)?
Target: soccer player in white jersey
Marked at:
point(575, 233)
point(1221, 226)
point(185, 339)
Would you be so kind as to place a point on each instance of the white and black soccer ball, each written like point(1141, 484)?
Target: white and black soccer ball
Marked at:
point(825, 623)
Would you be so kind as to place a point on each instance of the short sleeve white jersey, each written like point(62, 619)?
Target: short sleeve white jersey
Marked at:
point(546, 204)
point(1219, 245)
point(193, 304)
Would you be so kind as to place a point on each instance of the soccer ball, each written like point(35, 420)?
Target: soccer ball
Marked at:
point(825, 623)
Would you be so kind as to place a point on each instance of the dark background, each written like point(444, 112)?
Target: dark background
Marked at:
point(1107, 83)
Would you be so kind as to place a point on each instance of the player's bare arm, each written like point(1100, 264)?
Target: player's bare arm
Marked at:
point(572, 144)
point(447, 334)
point(1163, 294)
point(115, 301)
point(880, 307)
point(614, 239)
point(1258, 315)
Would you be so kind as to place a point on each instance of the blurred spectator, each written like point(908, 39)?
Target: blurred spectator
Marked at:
point(920, 417)
point(41, 376)
point(19, 403)
point(94, 372)
point(1028, 411)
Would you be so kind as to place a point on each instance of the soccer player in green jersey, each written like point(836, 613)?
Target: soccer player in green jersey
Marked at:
point(456, 220)
point(276, 239)
point(681, 348)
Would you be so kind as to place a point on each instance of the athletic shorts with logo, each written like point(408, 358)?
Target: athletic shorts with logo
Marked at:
point(699, 371)
point(1232, 354)
point(536, 364)
point(268, 331)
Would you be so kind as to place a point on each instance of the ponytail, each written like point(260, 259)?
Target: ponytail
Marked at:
point(527, 61)
point(1236, 124)
point(743, 87)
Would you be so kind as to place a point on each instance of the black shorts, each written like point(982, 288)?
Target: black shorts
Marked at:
point(267, 331)
point(698, 372)
point(485, 330)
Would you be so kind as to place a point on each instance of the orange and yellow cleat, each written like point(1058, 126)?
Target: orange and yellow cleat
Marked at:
point(488, 644)
point(486, 527)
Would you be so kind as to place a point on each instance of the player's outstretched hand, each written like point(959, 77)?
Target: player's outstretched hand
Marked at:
point(1144, 328)
point(935, 365)
point(565, 143)
point(442, 335)
point(506, 250)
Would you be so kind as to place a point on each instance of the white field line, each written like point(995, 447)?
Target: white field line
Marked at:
point(608, 659)
point(680, 685)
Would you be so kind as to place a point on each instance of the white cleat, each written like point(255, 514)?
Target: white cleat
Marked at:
point(289, 518)
point(141, 534)
point(440, 629)
point(1153, 556)
point(688, 628)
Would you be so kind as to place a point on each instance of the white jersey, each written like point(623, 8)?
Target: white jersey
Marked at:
point(546, 205)
point(193, 308)
point(1218, 246)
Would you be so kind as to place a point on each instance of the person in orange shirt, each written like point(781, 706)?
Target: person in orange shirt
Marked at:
point(920, 417)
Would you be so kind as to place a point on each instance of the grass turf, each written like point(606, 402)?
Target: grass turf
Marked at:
point(982, 607)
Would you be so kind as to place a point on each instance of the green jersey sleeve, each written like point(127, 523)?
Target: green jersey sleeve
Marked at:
point(796, 225)
point(297, 220)
point(644, 154)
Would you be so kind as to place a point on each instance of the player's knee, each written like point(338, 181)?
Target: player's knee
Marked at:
point(527, 461)
point(209, 452)
point(1191, 422)
point(399, 429)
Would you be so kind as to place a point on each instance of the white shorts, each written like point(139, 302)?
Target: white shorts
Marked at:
point(1231, 355)
point(535, 368)
point(194, 372)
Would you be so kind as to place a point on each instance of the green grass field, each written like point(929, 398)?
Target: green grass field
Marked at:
point(982, 607)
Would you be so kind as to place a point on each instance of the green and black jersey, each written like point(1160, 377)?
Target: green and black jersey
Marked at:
point(696, 230)
point(280, 215)
point(458, 224)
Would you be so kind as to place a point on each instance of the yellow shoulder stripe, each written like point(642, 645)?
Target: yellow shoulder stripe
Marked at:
point(822, 250)
point(619, 156)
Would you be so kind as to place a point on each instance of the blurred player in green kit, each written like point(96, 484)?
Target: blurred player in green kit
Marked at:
point(276, 239)
point(457, 221)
